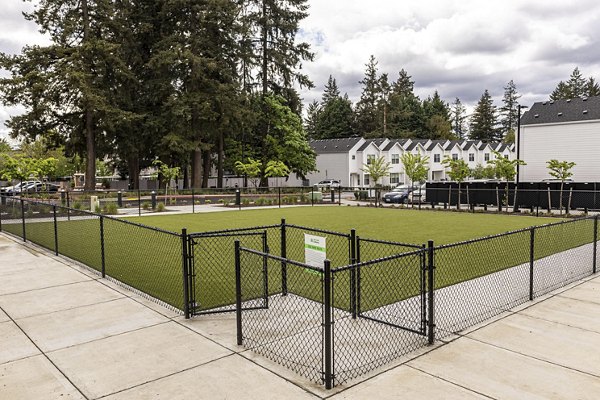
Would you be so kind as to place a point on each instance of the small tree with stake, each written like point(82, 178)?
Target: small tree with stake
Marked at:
point(505, 169)
point(560, 170)
point(251, 169)
point(276, 169)
point(377, 169)
point(459, 172)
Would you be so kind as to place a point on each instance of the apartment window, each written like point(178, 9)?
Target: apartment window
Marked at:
point(454, 156)
point(486, 156)
point(436, 158)
point(370, 159)
point(394, 179)
point(367, 180)
point(354, 156)
point(506, 156)
point(395, 158)
point(471, 156)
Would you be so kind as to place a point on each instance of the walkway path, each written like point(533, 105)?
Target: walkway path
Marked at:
point(67, 334)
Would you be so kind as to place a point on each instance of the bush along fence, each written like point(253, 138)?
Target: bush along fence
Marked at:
point(534, 197)
point(330, 306)
point(335, 322)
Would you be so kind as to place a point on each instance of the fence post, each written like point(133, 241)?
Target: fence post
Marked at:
point(279, 196)
point(102, 246)
point(327, 324)
point(23, 219)
point(353, 283)
point(430, 292)
point(140, 202)
point(340, 195)
point(595, 256)
point(265, 269)
point(55, 230)
point(184, 259)
point(531, 260)
point(284, 289)
point(238, 293)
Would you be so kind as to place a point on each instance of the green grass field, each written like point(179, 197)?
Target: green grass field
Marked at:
point(151, 261)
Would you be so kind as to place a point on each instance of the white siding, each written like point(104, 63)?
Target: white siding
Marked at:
point(331, 166)
point(577, 142)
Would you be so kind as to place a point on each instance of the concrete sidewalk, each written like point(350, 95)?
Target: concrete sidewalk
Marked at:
point(66, 333)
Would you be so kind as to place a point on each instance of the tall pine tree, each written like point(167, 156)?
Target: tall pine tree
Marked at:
point(458, 119)
point(366, 108)
point(484, 120)
point(509, 112)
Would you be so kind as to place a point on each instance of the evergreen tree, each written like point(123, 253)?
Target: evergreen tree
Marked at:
point(483, 121)
point(383, 104)
point(366, 108)
point(458, 119)
point(331, 91)
point(66, 86)
point(576, 86)
point(312, 117)
point(336, 119)
point(437, 118)
point(592, 88)
point(405, 117)
point(509, 112)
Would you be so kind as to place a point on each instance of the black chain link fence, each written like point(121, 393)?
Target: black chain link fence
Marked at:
point(143, 258)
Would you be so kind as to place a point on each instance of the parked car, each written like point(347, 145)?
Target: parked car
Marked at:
point(398, 195)
point(18, 188)
point(329, 183)
point(418, 195)
point(41, 187)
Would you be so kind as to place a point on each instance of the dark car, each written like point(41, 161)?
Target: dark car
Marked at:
point(398, 195)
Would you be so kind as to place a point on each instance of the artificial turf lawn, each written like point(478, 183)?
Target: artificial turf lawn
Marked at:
point(151, 261)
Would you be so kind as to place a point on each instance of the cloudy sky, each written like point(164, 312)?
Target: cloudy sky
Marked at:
point(458, 47)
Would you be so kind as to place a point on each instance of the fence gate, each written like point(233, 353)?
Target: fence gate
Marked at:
point(391, 289)
point(211, 276)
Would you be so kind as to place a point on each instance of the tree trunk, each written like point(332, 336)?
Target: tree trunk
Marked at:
point(90, 137)
point(186, 176)
point(220, 156)
point(196, 169)
point(265, 64)
point(205, 168)
point(133, 168)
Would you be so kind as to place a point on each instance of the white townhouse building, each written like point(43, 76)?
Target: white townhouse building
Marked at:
point(565, 130)
point(345, 159)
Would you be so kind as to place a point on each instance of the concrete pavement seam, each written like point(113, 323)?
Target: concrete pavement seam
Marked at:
point(46, 356)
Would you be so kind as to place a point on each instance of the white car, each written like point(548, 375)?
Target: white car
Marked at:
point(329, 183)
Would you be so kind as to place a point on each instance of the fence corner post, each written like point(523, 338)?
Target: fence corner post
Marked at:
point(184, 259)
point(238, 293)
point(595, 246)
point(531, 261)
point(327, 324)
point(430, 292)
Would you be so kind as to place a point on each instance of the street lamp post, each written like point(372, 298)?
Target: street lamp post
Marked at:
point(518, 141)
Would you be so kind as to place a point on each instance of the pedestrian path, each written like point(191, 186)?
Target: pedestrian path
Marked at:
point(65, 333)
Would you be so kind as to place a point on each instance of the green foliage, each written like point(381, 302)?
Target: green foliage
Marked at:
point(276, 169)
point(483, 172)
point(509, 112)
point(377, 169)
point(415, 166)
point(503, 167)
point(484, 119)
point(251, 169)
point(560, 169)
point(160, 207)
point(576, 86)
point(459, 169)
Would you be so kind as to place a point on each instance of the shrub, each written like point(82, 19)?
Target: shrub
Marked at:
point(261, 201)
point(146, 205)
point(77, 205)
point(160, 207)
point(208, 201)
point(246, 202)
point(111, 208)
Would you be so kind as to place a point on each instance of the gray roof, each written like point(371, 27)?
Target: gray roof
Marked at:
point(392, 142)
point(548, 112)
point(453, 143)
point(377, 142)
point(469, 144)
point(341, 145)
point(415, 142)
point(434, 143)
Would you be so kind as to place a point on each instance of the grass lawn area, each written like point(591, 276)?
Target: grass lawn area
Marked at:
point(151, 261)
point(401, 225)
